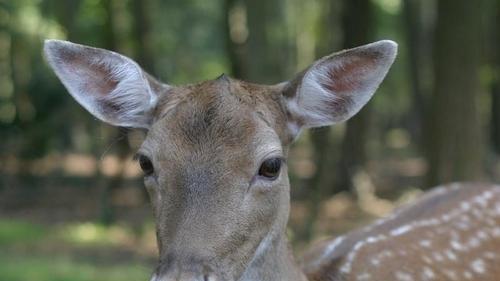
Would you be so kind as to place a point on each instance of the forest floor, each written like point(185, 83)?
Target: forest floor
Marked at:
point(69, 251)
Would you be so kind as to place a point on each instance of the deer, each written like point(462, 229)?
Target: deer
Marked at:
point(215, 157)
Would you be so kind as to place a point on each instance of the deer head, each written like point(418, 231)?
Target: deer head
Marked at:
point(215, 154)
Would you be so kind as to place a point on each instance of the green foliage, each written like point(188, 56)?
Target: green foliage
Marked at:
point(23, 253)
point(13, 232)
point(21, 268)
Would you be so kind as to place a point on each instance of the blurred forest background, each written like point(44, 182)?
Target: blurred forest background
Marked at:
point(72, 205)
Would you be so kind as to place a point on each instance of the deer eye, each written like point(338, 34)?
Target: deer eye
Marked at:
point(270, 168)
point(146, 165)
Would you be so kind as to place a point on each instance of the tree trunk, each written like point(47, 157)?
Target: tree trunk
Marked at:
point(267, 45)
point(357, 25)
point(413, 31)
point(236, 32)
point(495, 87)
point(454, 127)
point(108, 33)
point(66, 12)
point(142, 35)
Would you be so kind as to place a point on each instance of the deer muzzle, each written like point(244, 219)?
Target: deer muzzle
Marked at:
point(185, 277)
point(185, 270)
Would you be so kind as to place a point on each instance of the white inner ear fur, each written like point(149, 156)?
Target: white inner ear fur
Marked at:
point(133, 94)
point(110, 86)
point(336, 87)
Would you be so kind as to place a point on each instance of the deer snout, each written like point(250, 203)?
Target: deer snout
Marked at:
point(186, 277)
point(185, 272)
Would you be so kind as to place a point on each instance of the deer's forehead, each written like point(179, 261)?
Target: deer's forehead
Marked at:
point(221, 117)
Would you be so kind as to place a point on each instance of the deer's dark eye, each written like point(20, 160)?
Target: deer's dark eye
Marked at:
point(270, 168)
point(146, 165)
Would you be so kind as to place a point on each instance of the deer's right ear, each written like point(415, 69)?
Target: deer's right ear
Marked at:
point(336, 87)
point(110, 86)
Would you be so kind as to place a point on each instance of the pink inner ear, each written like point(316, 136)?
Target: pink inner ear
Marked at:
point(104, 83)
point(99, 80)
point(347, 76)
point(94, 77)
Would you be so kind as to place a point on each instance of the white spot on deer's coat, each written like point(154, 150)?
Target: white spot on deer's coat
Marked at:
point(462, 225)
point(364, 276)
point(490, 255)
point(482, 200)
point(425, 243)
point(473, 242)
point(346, 268)
point(450, 274)
point(330, 249)
point(468, 275)
point(428, 274)
point(482, 235)
point(401, 230)
point(478, 266)
point(375, 262)
point(403, 276)
point(488, 194)
point(437, 257)
point(451, 255)
point(465, 206)
point(456, 245)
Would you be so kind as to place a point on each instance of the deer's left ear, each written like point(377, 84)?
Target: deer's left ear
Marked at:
point(110, 86)
point(336, 87)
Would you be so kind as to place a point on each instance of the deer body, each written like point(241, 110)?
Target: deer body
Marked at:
point(451, 233)
point(214, 162)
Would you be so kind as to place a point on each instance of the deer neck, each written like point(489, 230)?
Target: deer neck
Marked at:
point(273, 260)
